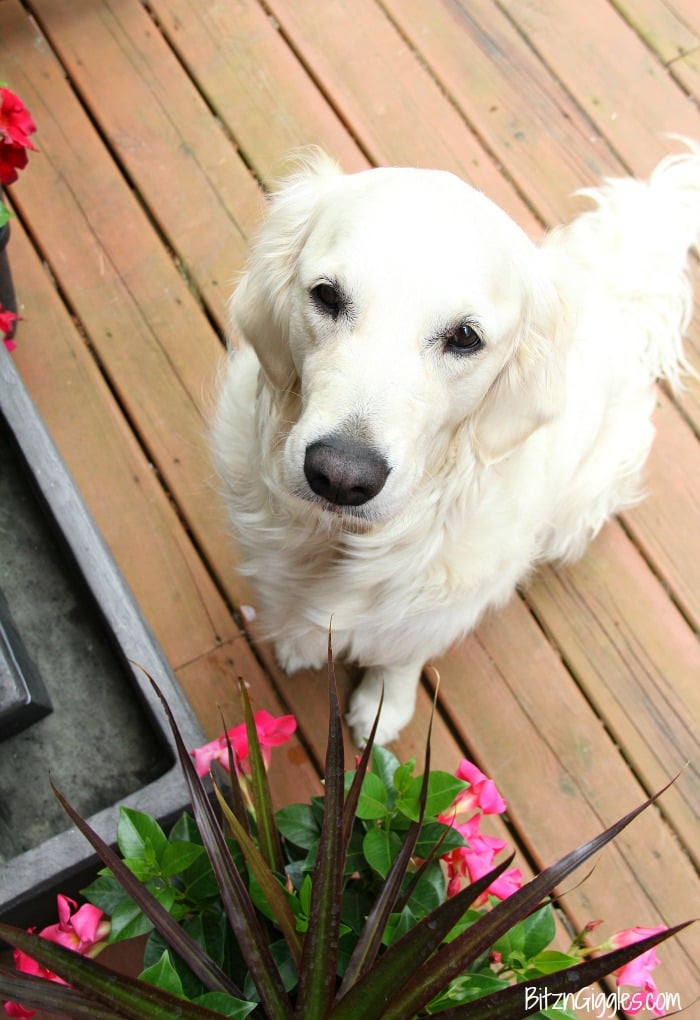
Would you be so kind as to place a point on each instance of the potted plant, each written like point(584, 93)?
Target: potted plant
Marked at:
point(350, 907)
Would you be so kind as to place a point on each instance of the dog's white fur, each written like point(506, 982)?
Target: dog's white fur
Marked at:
point(498, 459)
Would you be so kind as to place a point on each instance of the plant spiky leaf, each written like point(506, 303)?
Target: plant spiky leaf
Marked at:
point(38, 993)
point(370, 940)
point(127, 997)
point(236, 900)
point(268, 836)
point(452, 959)
point(510, 1003)
point(272, 890)
point(367, 998)
point(317, 977)
point(208, 972)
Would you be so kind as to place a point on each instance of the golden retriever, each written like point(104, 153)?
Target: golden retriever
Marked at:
point(424, 404)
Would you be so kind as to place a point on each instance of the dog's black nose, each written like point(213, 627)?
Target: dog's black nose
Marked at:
point(344, 472)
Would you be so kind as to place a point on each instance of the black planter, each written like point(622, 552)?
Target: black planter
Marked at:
point(65, 861)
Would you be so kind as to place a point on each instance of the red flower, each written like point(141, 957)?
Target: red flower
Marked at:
point(12, 159)
point(7, 326)
point(16, 125)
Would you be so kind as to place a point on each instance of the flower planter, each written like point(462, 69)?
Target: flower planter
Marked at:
point(64, 861)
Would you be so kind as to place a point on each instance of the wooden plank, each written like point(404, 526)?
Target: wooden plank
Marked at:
point(509, 697)
point(665, 521)
point(167, 578)
point(638, 662)
point(385, 95)
point(687, 11)
point(151, 336)
point(611, 74)
point(661, 27)
point(687, 72)
point(524, 116)
point(254, 81)
point(177, 154)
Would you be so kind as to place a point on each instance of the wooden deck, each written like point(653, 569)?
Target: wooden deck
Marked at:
point(157, 123)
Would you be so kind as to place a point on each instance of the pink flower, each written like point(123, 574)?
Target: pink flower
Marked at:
point(7, 326)
point(637, 972)
point(475, 860)
point(482, 792)
point(83, 931)
point(272, 731)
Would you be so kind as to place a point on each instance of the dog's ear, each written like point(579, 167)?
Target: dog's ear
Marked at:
point(260, 304)
point(529, 390)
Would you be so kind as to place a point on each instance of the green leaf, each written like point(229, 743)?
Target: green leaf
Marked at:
point(5, 214)
point(106, 893)
point(374, 798)
point(380, 849)
point(433, 833)
point(403, 776)
point(549, 961)
point(163, 975)
point(139, 836)
point(443, 787)
point(398, 925)
point(226, 1005)
point(185, 830)
point(385, 765)
point(429, 891)
point(538, 931)
point(178, 857)
point(466, 989)
point(298, 824)
point(128, 921)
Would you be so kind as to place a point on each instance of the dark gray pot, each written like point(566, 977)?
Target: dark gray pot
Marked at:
point(29, 881)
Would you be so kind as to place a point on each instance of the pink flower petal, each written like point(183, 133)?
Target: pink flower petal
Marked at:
point(14, 1009)
point(482, 792)
point(86, 924)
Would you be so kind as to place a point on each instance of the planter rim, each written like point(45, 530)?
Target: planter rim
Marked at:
point(39, 870)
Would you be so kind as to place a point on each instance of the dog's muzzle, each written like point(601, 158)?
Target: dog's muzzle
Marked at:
point(344, 472)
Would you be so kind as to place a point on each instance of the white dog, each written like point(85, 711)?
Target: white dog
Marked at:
point(425, 404)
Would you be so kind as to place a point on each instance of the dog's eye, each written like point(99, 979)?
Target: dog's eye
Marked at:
point(463, 339)
point(327, 299)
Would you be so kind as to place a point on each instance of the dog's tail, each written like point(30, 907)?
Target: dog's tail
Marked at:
point(640, 234)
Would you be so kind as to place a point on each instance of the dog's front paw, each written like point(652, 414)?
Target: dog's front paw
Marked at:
point(295, 655)
point(397, 708)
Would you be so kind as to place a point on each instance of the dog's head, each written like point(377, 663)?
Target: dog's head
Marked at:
point(409, 316)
